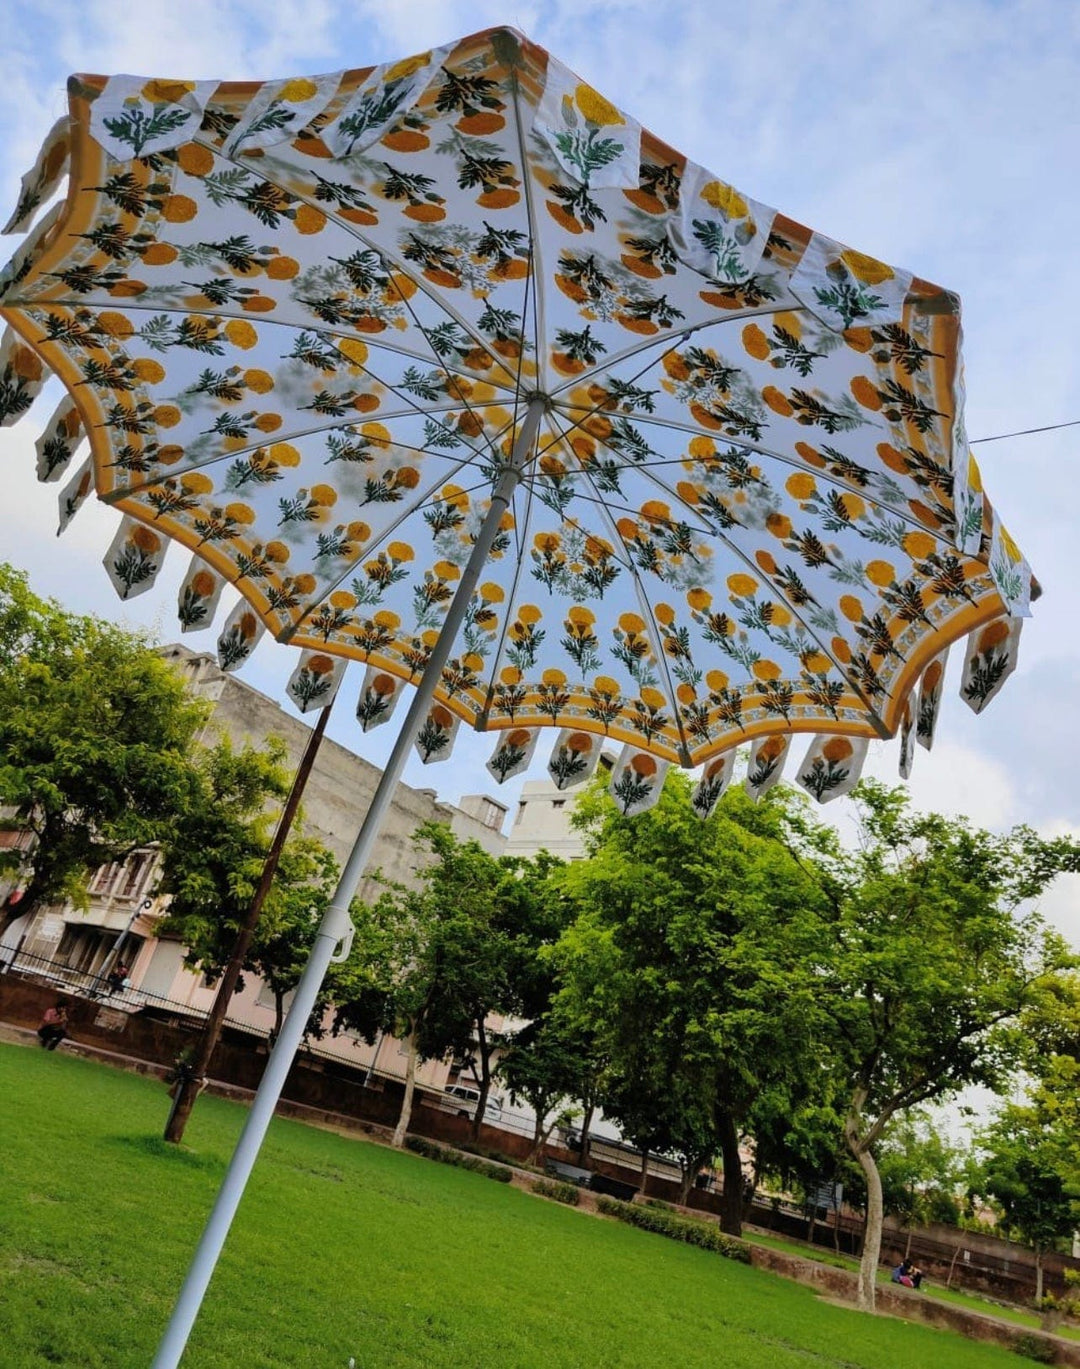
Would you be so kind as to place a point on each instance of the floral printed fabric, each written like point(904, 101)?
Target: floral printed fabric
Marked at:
point(302, 322)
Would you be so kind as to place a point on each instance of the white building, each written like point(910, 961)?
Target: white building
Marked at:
point(543, 819)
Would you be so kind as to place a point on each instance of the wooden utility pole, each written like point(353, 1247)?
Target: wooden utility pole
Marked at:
point(191, 1078)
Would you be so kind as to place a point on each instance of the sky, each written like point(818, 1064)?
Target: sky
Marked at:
point(940, 137)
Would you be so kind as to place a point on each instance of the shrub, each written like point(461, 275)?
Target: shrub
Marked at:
point(665, 1223)
point(560, 1192)
point(1035, 1348)
point(431, 1151)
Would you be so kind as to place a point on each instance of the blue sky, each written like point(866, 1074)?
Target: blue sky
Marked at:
point(941, 137)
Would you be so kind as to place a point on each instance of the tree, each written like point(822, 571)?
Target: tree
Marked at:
point(929, 954)
point(920, 1172)
point(431, 965)
point(211, 867)
point(541, 1066)
point(1027, 1172)
point(96, 731)
point(690, 957)
point(214, 858)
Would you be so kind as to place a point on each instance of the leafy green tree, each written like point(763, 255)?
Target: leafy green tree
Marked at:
point(96, 731)
point(433, 964)
point(214, 858)
point(541, 1065)
point(691, 957)
point(921, 1171)
point(928, 957)
point(1027, 1171)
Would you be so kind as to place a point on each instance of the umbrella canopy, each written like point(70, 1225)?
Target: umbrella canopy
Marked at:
point(302, 323)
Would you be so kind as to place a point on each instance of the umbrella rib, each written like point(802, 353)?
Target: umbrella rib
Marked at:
point(681, 334)
point(851, 683)
point(644, 602)
point(115, 496)
point(535, 260)
point(769, 453)
point(519, 566)
point(372, 546)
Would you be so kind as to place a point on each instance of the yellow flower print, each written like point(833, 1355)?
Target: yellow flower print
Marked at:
point(148, 370)
point(880, 573)
point(284, 454)
point(800, 486)
point(755, 343)
point(867, 269)
point(194, 160)
point(298, 91)
point(851, 608)
point(241, 334)
point(595, 108)
point(742, 586)
point(919, 545)
point(145, 539)
point(726, 199)
point(259, 382)
point(837, 749)
point(993, 635)
point(166, 92)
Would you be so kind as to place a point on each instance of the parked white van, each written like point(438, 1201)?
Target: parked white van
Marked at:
point(463, 1098)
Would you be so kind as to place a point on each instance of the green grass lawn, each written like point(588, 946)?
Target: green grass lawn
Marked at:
point(343, 1248)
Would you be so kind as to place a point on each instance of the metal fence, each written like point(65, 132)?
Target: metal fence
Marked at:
point(330, 1048)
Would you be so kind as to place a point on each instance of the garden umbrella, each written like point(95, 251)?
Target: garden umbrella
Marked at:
point(452, 368)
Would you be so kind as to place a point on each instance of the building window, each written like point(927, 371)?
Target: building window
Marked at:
point(558, 803)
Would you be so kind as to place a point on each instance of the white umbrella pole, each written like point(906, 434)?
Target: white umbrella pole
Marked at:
point(336, 925)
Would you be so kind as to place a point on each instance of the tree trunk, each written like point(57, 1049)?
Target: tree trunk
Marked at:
point(1038, 1276)
point(686, 1179)
point(586, 1123)
point(643, 1175)
point(410, 1088)
point(193, 1080)
point(484, 1051)
point(732, 1201)
point(538, 1139)
point(868, 1261)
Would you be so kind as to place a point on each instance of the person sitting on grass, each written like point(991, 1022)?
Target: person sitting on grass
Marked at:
point(908, 1274)
point(53, 1027)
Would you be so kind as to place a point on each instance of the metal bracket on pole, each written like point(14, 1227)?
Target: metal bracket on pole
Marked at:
point(337, 921)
